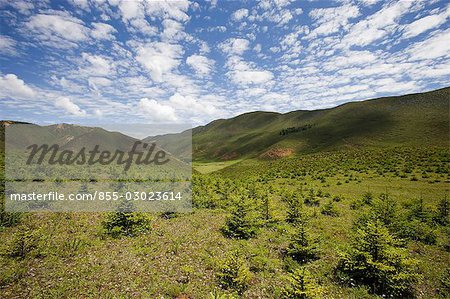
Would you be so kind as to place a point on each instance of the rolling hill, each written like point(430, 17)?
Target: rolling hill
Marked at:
point(409, 120)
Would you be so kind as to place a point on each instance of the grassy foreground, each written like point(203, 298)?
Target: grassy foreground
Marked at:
point(70, 255)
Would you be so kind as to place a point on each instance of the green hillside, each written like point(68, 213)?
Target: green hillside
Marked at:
point(414, 120)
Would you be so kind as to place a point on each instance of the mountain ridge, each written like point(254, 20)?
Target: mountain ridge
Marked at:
point(405, 120)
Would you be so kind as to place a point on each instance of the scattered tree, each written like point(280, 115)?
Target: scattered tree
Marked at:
point(301, 285)
point(377, 260)
point(243, 223)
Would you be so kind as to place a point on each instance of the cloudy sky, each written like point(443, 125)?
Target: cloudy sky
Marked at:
point(91, 61)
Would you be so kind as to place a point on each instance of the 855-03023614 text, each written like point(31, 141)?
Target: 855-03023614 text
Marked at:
point(97, 195)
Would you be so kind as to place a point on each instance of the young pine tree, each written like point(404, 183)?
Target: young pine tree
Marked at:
point(302, 248)
point(376, 260)
point(126, 222)
point(329, 209)
point(243, 223)
point(301, 285)
point(234, 272)
point(443, 212)
point(294, 207)
point(312, 199)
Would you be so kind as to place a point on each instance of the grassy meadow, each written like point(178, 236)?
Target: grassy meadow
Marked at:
point(204, 254)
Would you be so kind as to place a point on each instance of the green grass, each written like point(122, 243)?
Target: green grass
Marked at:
point(179, 256)
point(208, 167)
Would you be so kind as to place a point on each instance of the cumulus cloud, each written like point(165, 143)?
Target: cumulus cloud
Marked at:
point(376, 26)
point(98, 82)
point(251, 77)
point(83, 4)
point(426, 23)
point(159, 58)
point(68, 85)
point(235, 46)
point(67, 105)
point(173, 30)
point(103, 31)
point(434, 47)
point(192, 105)
point(333, 19)
point(157, 111)
point(244, 73)
point(13, 87)
point(164, 9)
point(201, 64)
point(57, 30)
point(239, 14)
point(97, 65)
point(7, 45)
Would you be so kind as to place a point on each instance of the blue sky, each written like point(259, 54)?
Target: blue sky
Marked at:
point(117, 61)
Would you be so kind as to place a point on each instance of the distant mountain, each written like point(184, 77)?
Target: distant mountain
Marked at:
point(420, 119)
point(67, 136)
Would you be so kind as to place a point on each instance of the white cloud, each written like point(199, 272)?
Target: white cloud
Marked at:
point(349, 58)
point(173, 30)
point(164, 9)
point(69, 106)
point(103, 31)
point(67, 84)
point(239, 14)
point(57, 30)
point(142, 26)
point(13, 87)
point(98, 82)
point(434, 47)
point(251, 77)
point(426, 23)
point(159, 58)
point(201, 64)
point(369, 2)
point(243, 73)
point(83, 4)
point(217, 28)
point(274, 11)
point(331, 20)
point(131, 9)
point(7, 45)
point(98, 65)
point(376, 26)
point(193, 106)
point(157, 111)
point(234, 46)
point(22, 6)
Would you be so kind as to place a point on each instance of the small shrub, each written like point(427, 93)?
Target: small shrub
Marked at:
point(8, 219)
point(25, 242)
point(233, 272)
point(301, 285)
point(377, 261)
point(243, 223)
point(419, 231)
point(312, 199)
point(443, 212)
point(294, 208)
point(302, 248)
point(216, 294)
point(329, 209)
point(337, 198)
point(367, 198)
point(444, 289)
point(126, 223)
